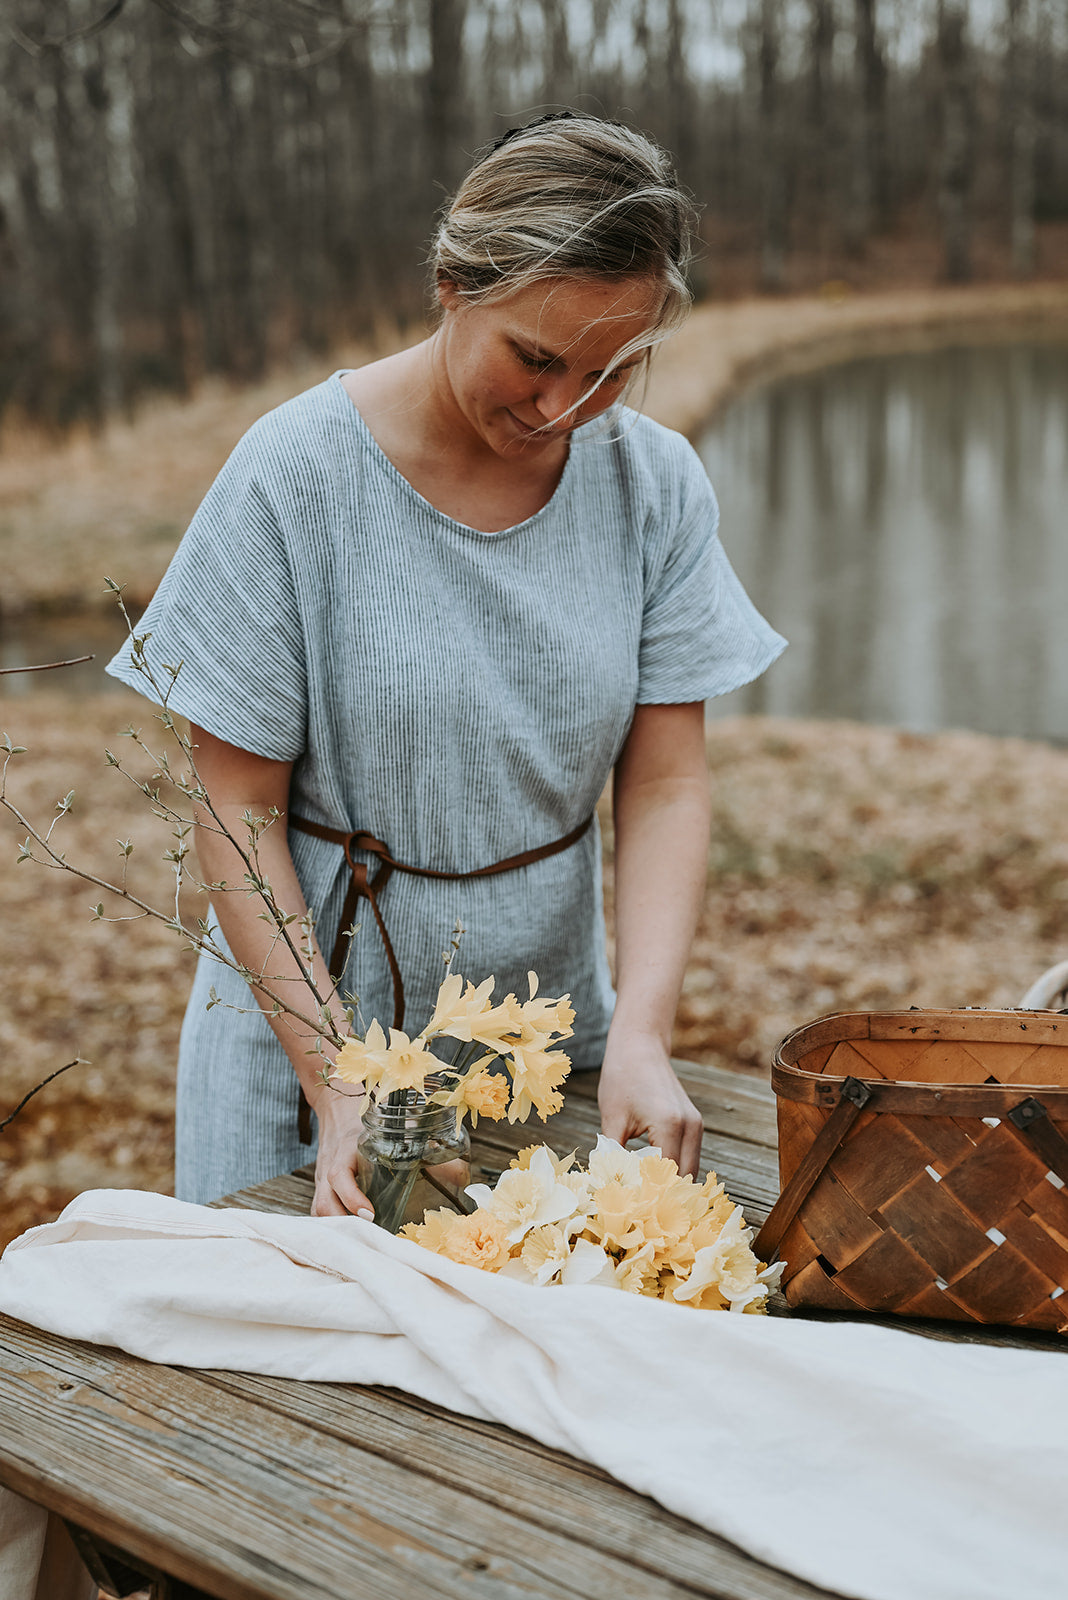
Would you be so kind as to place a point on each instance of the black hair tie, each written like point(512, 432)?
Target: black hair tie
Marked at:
point(539, 122)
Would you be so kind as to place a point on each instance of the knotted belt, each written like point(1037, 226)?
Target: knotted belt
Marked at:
point(363, 884)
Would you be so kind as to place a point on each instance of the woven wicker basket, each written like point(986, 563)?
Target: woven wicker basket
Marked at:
point(924, 1163)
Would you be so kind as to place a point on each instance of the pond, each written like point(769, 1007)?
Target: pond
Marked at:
point(903, 520)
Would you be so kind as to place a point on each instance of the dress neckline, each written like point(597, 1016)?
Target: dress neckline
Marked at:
point(371, 444)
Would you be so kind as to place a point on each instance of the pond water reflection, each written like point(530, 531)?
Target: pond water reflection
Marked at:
point(903, 520)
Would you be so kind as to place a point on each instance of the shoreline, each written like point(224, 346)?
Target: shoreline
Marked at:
point(118, 502)
point(729, 347)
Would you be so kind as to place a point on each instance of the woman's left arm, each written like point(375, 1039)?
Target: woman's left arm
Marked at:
point(662, 813)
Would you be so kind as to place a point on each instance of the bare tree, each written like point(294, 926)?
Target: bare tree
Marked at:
point(956, 156)
point(445, 91)
point(866, 201)
point(773, 174)
point(819, 112)
point(1019, 113)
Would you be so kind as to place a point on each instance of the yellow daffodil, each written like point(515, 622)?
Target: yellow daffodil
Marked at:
point(362, 1060)
point(526, 1197)
point(728, 1266)
point(479, 1093)
point(547, 1016)
point(407, 1063)
point(637, 1272)
point(536, 1079)
point(477, 1241)
point(456, 1007)
point(546, 1250)
point(433, 1231)
point(561, 1164)
point(615, 1220)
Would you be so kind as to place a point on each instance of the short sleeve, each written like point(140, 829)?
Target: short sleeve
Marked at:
point(701, 634)
point(226, 616)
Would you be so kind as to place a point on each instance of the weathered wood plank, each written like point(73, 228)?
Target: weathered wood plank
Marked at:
point(252, 1502)
point(549, 1490)
point(290, 1194)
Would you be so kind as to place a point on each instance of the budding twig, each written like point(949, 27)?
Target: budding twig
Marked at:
point(77, 1062)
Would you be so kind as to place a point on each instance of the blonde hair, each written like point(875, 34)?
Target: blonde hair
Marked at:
point(570, 196)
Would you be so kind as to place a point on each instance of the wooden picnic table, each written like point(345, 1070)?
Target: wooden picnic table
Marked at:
point(251, 1488)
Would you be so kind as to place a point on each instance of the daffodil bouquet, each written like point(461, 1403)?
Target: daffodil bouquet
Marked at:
point(473, 1059)
point(629, 1221)
point(520, 1033)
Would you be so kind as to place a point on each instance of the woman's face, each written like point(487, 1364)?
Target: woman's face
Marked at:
point(513, 369)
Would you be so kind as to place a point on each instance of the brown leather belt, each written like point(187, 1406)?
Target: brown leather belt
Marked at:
point(361, 884)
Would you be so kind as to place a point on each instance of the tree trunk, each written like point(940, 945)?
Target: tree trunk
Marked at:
point(773, 188)
point(819, 133)
point(444, 96)
point(866, 203)
point(1020, 128)
point(956, 164)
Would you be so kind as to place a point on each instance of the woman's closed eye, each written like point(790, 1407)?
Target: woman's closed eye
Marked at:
point(535, 363)
point(540, 364)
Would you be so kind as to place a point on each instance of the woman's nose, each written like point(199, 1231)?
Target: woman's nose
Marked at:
point(555, 396)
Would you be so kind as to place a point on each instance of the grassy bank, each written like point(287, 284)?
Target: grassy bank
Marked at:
point(850, 867)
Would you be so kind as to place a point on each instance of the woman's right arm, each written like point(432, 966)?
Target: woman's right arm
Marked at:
point(238, 781)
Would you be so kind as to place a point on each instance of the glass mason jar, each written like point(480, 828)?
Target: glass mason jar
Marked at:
point(412, 1158)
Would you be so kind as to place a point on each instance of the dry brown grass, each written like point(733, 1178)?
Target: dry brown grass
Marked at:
point(851, 867)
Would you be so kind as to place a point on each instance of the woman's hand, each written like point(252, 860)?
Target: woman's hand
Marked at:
point(336, 1191)
point(661, 808)
point(640, 1095)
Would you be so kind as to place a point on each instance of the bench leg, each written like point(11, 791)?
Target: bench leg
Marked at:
point(120, 1575)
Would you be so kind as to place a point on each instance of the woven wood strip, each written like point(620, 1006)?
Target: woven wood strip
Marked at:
point(919, 1211)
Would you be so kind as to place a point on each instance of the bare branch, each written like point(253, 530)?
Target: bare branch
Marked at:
point(77, 1062)
point(47, 666)
point(37, 47)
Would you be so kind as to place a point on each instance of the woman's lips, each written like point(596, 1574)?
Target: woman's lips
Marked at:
point(543, 432)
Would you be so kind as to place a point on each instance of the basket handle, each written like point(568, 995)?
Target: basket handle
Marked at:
point(853, 1096)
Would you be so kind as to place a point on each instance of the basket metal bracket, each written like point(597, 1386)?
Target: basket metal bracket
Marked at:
point(1032, 1119)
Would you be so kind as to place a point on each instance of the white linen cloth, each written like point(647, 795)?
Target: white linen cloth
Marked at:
point(876, 1463)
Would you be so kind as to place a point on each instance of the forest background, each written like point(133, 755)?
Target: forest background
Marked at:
point(206, 204)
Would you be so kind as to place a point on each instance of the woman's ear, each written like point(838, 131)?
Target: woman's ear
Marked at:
point(448, 294)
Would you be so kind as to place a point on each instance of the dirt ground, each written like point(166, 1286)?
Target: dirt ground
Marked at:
point(850, 867)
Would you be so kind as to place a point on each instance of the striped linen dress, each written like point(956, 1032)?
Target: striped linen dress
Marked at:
point(461, 695)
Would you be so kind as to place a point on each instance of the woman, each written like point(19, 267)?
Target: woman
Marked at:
point(441, 598)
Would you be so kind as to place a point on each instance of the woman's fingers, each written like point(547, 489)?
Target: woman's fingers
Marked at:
point(337, 1194)
point(640, 1095)
point(689, 1158)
